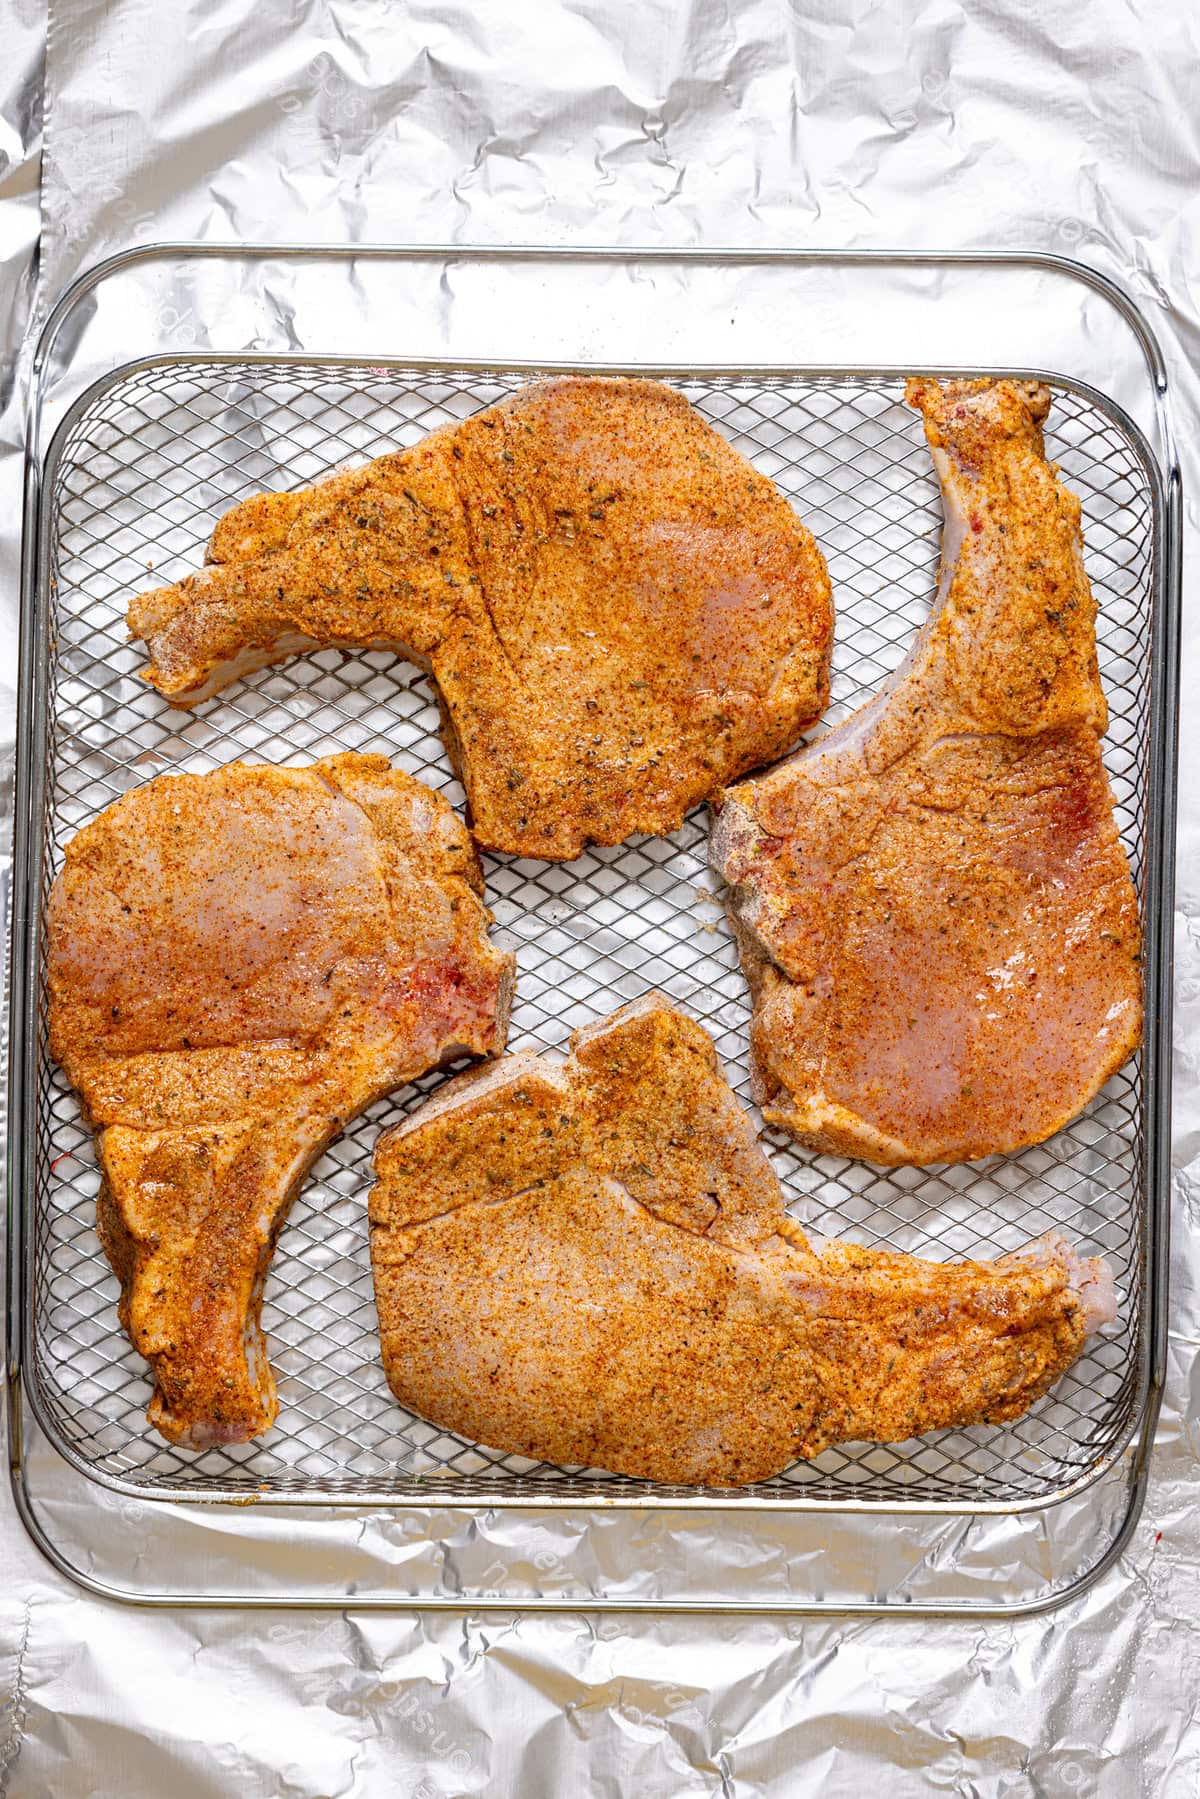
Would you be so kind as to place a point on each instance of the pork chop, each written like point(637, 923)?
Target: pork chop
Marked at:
point(239, 962)
point(935, 913)
point(620, 613)
point(591, 1264)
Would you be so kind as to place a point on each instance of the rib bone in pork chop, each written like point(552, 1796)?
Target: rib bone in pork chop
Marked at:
point(934, 909)
point(238, 963)
point(591, 1264)
point(619, 611)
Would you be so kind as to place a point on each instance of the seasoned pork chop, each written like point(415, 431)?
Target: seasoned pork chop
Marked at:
point(591, 1264)
point(934, 910)
point(238, 963)
point(619, 611)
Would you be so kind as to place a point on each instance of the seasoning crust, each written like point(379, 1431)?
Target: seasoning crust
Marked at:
point(934, 910)
point(620, 612)
point(238, 963)
point(590, 1263)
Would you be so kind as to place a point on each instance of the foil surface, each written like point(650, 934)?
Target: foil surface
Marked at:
point(1045, 126)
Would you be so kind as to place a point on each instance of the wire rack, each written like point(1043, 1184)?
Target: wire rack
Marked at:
point(136, 480)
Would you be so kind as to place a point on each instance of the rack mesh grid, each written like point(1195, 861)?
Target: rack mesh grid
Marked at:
point(136, 484)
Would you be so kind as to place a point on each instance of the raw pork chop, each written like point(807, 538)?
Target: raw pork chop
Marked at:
point(591, 1264)
point(238, 963)
point(619, 611)
point(935, 913)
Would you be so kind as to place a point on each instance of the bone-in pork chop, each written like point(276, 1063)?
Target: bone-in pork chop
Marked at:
point(620, 613)
point(591, 1263)
point(934, 910)
point(238, 963)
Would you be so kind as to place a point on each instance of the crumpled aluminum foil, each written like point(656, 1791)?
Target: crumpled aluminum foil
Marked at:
point(753, 121)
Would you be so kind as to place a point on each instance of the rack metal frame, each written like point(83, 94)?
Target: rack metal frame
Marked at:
point(1158, 871)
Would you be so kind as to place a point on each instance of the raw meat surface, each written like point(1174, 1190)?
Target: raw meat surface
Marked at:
point(239, 962)
point(591, 1264)
point(935, 913)
point(620, 613)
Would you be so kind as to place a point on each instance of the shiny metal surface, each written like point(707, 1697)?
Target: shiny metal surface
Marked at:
point(759, 122)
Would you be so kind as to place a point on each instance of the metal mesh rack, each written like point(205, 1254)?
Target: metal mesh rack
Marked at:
point(134, 484)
